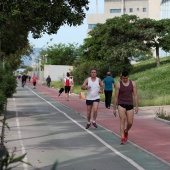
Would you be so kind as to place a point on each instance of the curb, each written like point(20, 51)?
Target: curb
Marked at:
point(162, 120)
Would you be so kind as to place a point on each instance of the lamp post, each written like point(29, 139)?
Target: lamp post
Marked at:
point(39, 68)
point(45, 58)
point(34, 65)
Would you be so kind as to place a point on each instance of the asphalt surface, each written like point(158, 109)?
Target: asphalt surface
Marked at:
point(48, 128)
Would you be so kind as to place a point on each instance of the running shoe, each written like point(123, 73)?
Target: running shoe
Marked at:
point(126, 136)
point(122, 141)
point(88, 125)
point(94, 124)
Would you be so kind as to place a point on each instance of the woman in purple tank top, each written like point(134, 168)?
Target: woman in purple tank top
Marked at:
point(125, 90)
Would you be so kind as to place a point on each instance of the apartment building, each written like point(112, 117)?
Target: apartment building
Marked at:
point(112, 8)
point(165, 9)
point(165, 13)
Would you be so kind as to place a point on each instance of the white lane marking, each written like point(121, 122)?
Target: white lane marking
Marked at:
point(20, 138)
point(94, 135)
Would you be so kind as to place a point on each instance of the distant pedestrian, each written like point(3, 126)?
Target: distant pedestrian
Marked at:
point(94, 87)
point(125, 90)
point(34, 80)
point(108, 89)
point(48, 80)
point(67, 85)
point(23, 79)
point(19, 76)
point(29, 77)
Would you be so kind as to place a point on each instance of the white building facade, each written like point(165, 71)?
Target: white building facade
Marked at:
point(165, 13)
point(112, 8)
point(56, 72)
point(165, 9)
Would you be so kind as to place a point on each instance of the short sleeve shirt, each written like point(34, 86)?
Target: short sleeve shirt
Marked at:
point(108, 81)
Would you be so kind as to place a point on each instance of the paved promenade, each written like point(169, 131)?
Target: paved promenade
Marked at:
point(147, 132)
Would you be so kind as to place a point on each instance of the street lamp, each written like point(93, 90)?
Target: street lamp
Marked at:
point(34, 65)
point(38, 61)
point(39, 68)
point(45, 58)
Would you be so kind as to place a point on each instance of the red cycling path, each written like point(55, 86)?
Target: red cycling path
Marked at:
point(147, 133)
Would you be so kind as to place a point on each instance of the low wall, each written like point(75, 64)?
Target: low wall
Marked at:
point(56, 72)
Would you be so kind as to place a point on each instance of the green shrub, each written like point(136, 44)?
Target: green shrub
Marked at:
point(8, 86)
point(3, 101)
point(161, 113)
point(10, 83)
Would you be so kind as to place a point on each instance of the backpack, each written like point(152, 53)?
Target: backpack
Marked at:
point(67, 81)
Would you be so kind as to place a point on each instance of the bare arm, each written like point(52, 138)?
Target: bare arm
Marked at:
point(83, 87)
point(135, 96)
point(117, 87)
point(72, 81)
point(101, 86)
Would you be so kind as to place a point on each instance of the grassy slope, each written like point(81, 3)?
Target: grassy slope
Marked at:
point(153, 82)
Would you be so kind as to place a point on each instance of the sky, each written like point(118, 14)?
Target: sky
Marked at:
point(68, 34)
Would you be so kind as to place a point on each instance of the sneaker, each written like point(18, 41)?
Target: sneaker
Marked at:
point(126, 136)
point(94, 124)
point(122, 141)
point(88, 125)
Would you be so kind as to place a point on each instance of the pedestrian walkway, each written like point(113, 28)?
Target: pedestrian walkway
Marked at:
point(149, 134)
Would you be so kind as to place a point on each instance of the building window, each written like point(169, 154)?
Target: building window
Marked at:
point(130, 9)
point(91, 26)
point(137, 9)
point(115, 10)
point(124, 10)
point(144, 9)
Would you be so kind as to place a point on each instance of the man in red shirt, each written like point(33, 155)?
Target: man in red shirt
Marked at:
point(125, 90)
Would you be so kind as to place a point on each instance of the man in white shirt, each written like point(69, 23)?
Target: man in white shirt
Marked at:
point(94, 87)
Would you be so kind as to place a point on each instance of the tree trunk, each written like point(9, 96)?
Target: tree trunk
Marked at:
point(157, 56)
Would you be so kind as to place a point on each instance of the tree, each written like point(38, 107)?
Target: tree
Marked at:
point(28, 69)
point(82, 70)
point(18, 18)
point(155, 34)
point(13, 61)
point(59, 54)
point(116, 42)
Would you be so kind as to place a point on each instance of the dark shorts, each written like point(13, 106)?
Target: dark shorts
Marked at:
point(90, 102)
point(67, 89)
point(126, 106)
point(34, 83)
